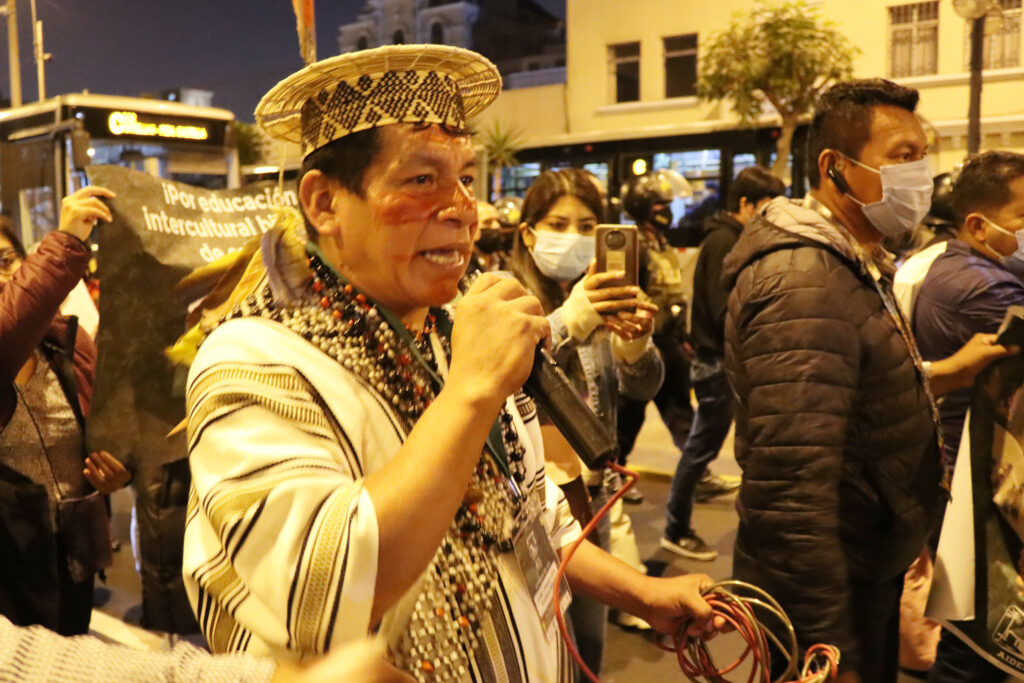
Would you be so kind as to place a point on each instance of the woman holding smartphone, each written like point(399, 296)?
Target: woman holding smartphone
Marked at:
point(600, 336)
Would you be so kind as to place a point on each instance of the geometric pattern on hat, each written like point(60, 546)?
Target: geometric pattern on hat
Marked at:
point(348, 93)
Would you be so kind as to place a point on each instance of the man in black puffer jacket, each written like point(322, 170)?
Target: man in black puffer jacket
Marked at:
point(834, 427)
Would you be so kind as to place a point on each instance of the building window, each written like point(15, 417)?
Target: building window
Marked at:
point(437, 33)
point(398, 37)
point(1002, 43)
point(515, 180)
point(362, 43)
point(624, 70)
point(681, 66)
point(914, 39)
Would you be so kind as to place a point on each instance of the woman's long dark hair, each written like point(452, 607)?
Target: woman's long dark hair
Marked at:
point(546, 190)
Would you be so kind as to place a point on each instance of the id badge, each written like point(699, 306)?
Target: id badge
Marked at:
point(539, 564)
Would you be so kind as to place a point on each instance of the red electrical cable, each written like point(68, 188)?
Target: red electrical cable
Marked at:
point(821, 662)
point(632, 477)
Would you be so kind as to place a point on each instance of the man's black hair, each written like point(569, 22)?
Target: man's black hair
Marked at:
point(984, 182)
point(346, 159)
point(842, 117)
point(754, 183)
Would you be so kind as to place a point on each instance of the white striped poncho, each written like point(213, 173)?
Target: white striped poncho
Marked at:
point(280, 553)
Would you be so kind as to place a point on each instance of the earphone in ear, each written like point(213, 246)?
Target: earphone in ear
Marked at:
point(838, 179)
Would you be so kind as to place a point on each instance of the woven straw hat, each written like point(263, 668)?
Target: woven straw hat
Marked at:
point(341, 95)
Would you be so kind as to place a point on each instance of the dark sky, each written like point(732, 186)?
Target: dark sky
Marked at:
point(236, 48)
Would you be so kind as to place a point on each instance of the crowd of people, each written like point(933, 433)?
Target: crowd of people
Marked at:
point(371, 483)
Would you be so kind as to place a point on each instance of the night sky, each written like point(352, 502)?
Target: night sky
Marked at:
point(236, 48)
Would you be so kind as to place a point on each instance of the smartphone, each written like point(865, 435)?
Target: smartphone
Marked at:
point(618, 249)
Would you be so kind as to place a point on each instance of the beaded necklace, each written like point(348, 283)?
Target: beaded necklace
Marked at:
point(461, 582)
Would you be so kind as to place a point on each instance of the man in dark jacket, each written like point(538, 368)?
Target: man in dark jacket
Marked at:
point(748, 194)
point(970, 285)
point(966, 292)
point(834, 417)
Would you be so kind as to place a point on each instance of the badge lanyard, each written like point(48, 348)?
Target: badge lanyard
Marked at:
point(495, 444)
point(902, 326)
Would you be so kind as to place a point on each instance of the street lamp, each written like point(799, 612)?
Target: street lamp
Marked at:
point(41, 56)
point(977, 11)
point(10, 10)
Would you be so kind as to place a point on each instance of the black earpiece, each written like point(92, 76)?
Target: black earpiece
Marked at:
point(838, 179)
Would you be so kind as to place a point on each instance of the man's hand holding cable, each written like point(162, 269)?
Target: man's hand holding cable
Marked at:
point(669, 602)
point(664, 603)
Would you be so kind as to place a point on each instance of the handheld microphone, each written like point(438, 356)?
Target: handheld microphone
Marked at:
point(551, 389)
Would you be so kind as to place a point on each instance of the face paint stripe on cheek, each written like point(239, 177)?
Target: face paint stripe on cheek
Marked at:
point(396, 207)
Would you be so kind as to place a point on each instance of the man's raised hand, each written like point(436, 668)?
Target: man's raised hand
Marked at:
point(498, 325)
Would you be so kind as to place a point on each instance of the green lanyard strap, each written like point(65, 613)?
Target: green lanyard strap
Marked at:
point(495, 443)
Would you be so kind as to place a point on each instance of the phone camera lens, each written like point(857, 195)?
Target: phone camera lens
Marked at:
point(615, 240)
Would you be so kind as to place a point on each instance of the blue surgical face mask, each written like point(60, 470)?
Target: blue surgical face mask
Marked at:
point(906, 197)
point(562, 256)
point(1012, 262)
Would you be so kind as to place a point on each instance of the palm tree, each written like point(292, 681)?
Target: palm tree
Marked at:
point(500, 142)
point(250, 143)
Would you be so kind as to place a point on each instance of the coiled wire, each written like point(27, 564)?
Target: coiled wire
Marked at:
point(740, 604)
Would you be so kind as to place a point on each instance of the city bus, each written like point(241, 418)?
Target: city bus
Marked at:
point(45, 147)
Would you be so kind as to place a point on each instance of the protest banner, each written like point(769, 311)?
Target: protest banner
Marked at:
point(977, 593)
point(161, 231)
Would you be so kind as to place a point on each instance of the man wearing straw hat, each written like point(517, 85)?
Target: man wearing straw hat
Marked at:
point(359, 463)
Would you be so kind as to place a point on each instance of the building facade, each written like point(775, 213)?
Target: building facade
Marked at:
point(390, 22)
point(629, 104)
point(519, 36)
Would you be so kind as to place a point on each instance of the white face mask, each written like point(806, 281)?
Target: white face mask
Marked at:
point(906, 197)
point(562, 256)
point(1012, 262)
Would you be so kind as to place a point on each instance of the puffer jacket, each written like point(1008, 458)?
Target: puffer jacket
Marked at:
point(833, 431)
